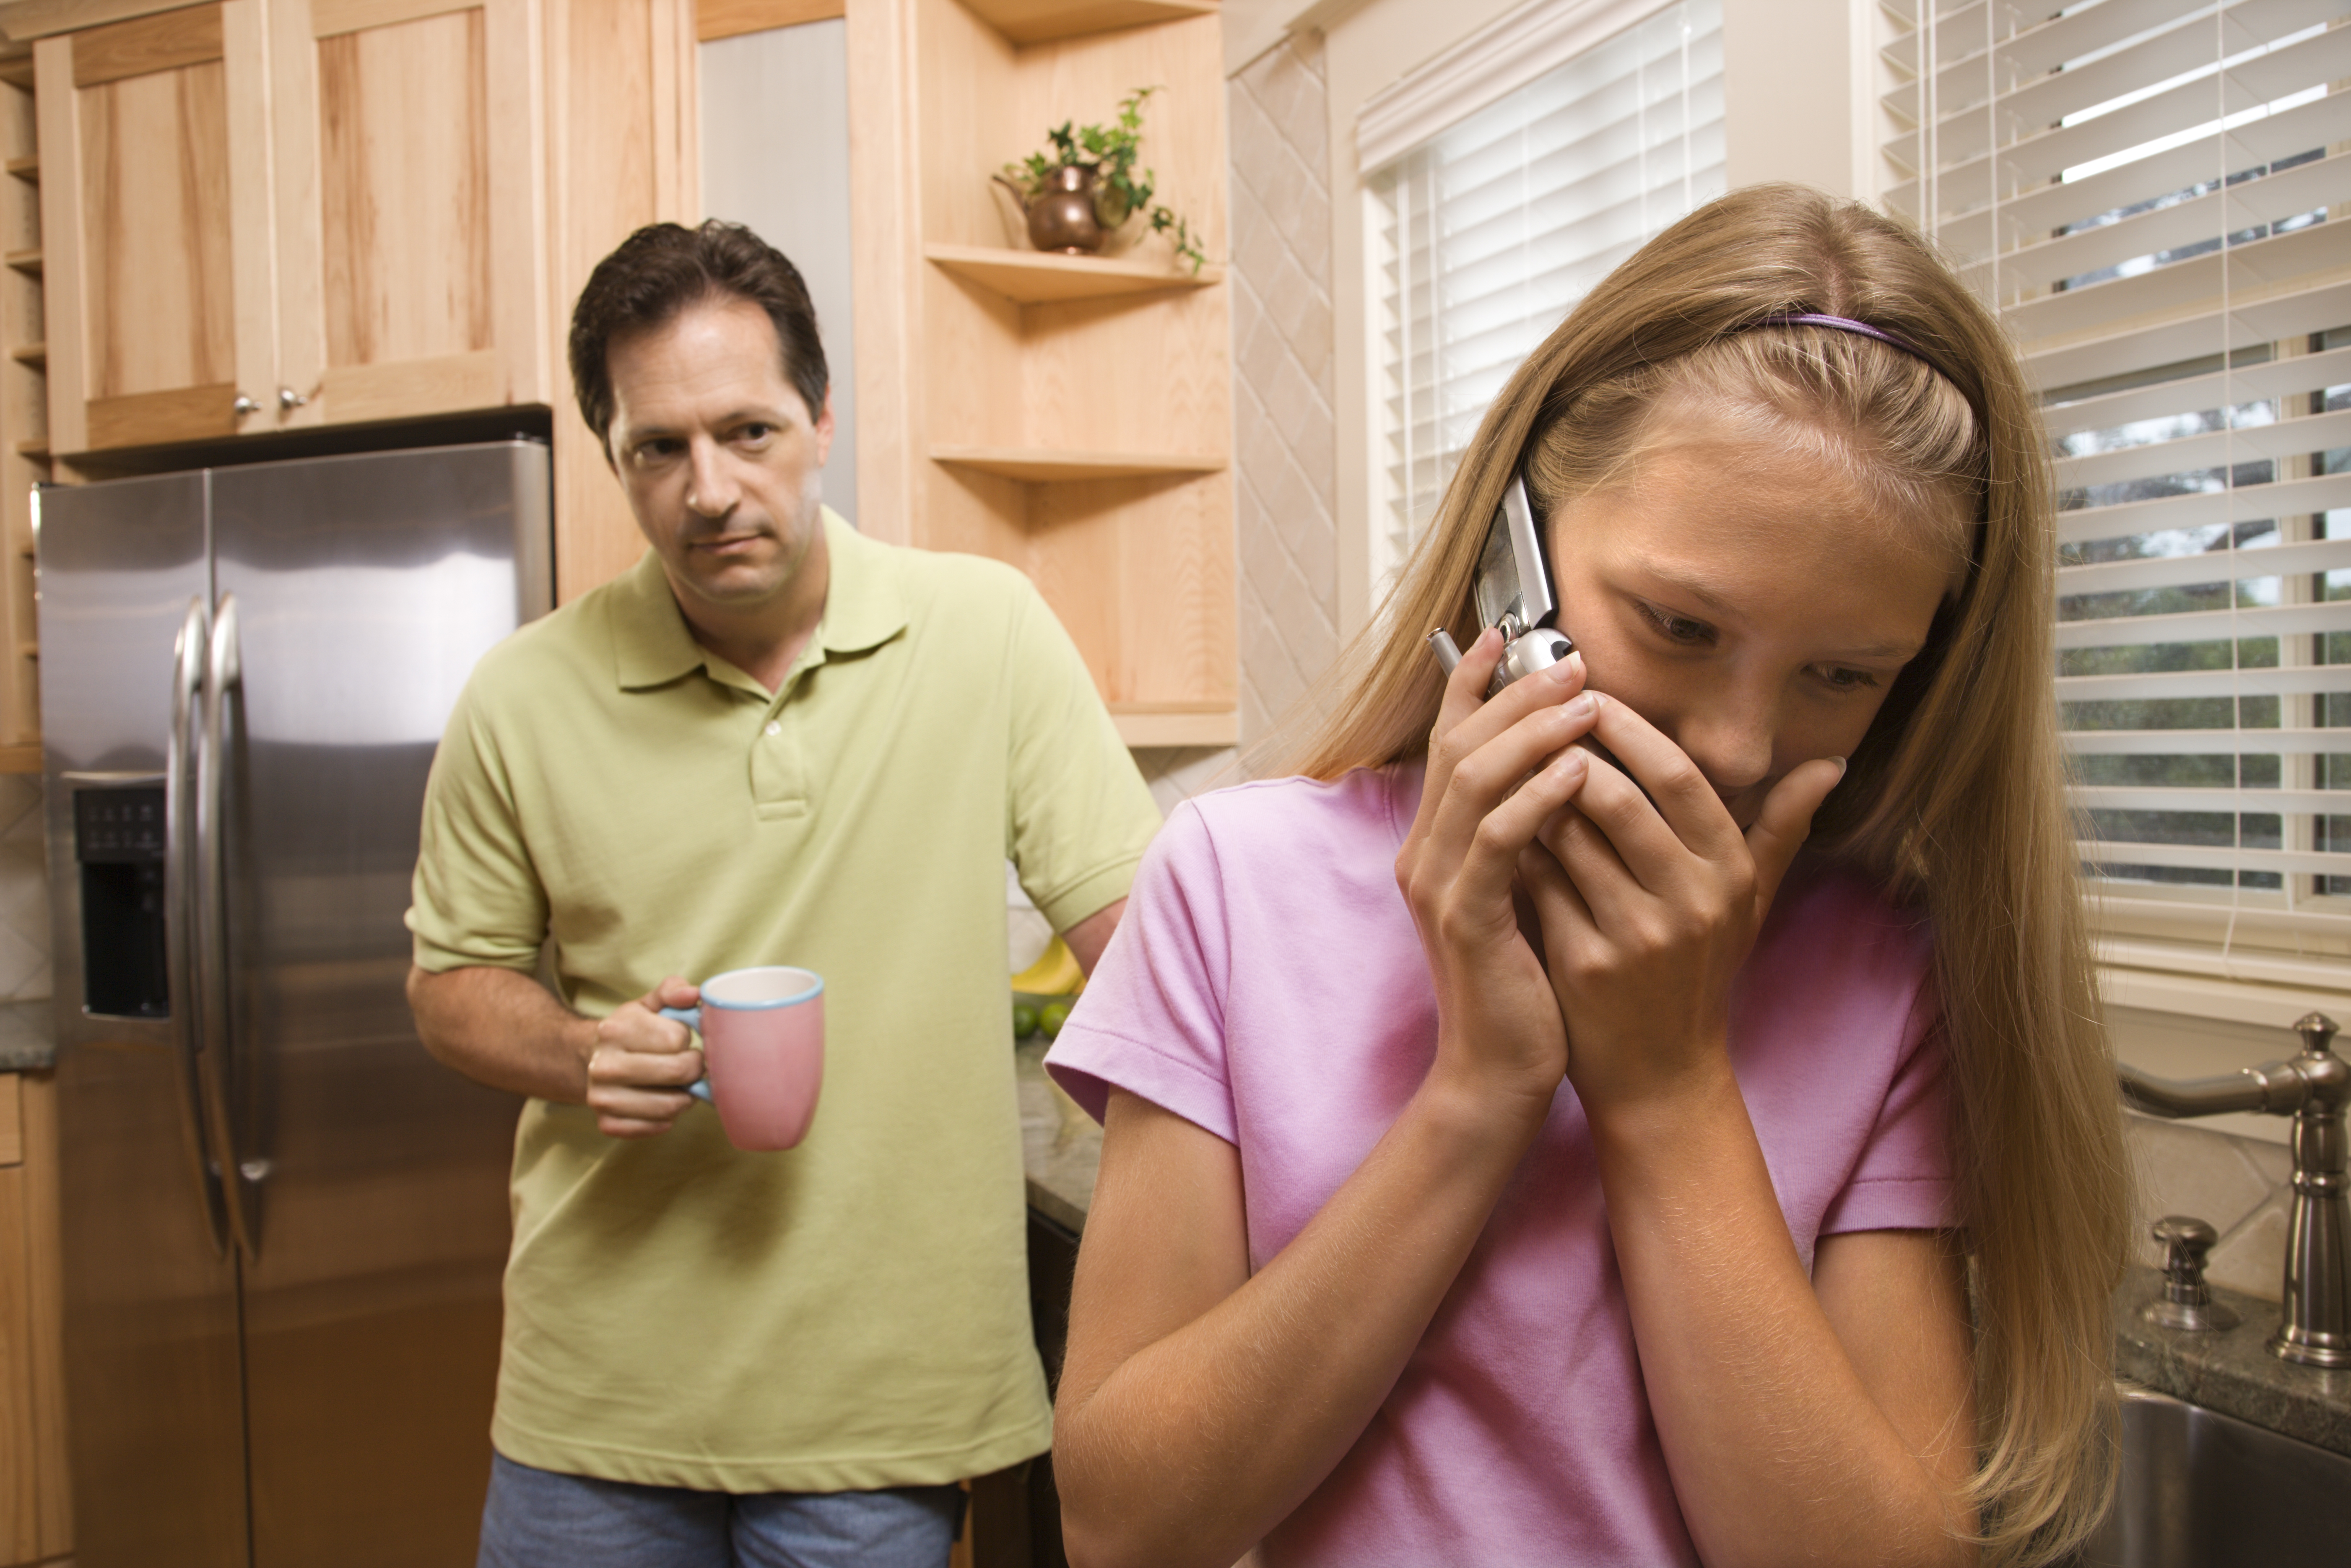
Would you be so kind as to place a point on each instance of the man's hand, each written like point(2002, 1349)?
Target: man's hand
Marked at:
point(641, 1063)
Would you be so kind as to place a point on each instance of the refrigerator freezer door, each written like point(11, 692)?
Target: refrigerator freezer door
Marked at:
point(365, 588)
point(151, 1353)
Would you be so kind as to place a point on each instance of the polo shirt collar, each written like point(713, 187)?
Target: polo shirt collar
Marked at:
point(651, 647)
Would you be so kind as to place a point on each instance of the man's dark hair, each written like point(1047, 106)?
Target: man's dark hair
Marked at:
point(663, 268)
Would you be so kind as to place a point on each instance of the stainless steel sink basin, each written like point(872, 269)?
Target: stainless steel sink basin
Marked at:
point(2199, 1488)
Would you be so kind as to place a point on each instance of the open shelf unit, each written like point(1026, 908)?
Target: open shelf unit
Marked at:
point(24, 409)
point(1071, 415)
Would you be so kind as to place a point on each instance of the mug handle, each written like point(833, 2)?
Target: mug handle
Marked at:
point(692, 1019)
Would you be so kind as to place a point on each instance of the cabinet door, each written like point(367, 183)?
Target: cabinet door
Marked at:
point(154, 209)
point(409, 217)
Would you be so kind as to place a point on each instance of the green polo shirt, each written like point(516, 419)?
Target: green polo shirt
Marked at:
point(852, 1312)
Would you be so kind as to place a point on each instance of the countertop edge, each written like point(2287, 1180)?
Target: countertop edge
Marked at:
point(2232, 1371)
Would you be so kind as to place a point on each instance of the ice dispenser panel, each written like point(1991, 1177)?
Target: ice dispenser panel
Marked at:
point(118, 844)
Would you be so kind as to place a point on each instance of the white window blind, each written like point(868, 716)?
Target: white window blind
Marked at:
point(2150, 192)
point(1483, 236)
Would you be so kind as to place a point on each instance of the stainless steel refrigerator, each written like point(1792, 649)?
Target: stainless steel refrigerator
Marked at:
point(284, 1224)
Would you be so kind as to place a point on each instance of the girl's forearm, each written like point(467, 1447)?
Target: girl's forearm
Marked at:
point(1196, 1447)
point(1776, 1447)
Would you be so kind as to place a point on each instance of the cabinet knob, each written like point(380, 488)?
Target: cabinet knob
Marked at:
point(246, 404)
point(289, 400)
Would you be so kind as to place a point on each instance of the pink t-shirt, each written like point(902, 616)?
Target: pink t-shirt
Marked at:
point(1265, 984)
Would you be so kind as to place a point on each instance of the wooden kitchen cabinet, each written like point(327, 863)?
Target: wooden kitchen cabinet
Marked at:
point(35, 1510)
point(264, 215)
point(344, 212)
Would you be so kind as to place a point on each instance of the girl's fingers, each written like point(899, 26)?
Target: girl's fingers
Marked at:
point(1683, 798)
point(1607, 889)
point(1566, 918)
point(1466, 782)
point(1786, 822)
point(1620, 840)
point(1503, 834)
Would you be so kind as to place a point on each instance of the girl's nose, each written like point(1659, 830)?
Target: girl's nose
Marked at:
point(1728, 735)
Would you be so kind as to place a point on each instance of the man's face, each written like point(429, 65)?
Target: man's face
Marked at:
point(718, 454)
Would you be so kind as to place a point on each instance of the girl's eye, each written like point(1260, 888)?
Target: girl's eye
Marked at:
point(1679, 628)
point(1843, 680)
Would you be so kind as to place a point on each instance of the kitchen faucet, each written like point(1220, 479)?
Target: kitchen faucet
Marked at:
point(2312, 1087)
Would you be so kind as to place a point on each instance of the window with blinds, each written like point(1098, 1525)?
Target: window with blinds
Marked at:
point(1485, 234)
point(2150, 192)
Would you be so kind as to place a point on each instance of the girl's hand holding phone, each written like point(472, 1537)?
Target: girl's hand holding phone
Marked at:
point(1498, 771)
point(1649, 905)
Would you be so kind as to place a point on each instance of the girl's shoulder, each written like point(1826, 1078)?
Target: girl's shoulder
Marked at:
point(1298, 829)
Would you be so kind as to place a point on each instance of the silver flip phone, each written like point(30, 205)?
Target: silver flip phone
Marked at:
point(1514, 593)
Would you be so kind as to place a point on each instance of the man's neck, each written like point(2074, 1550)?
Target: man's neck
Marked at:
point(763, 639)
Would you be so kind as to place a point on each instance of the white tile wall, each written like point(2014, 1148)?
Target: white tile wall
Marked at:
point(1282, 405)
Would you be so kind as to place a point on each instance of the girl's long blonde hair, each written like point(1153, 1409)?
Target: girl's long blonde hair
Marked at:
point(1952, 802)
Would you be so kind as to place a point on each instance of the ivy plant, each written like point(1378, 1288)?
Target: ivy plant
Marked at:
point(1120, 191)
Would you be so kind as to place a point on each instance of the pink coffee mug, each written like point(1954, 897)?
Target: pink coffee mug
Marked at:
point(762, 1051)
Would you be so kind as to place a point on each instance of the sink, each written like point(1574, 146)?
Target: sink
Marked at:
point(2201, 1488)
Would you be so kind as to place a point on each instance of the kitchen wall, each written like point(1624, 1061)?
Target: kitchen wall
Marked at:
point(775, 156)
point(1283, 403)
point(23, 892)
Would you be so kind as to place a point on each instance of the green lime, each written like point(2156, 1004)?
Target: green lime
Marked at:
point(1024, 1021)
point(1050, 1021)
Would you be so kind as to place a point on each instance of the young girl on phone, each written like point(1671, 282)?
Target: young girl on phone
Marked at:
point(1513, 1157)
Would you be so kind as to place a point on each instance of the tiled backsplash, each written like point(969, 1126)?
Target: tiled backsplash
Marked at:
point(2237, 1186)
point(24, 891)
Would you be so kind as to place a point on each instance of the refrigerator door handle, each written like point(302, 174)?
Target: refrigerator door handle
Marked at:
point(241, 1173)
point(189, 653)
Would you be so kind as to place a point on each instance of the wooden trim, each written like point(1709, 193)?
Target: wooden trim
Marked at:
point(169, 42)
point(28, 20)
point(59, 131)
point(12, 1122)
point(26, 758)
point(1038, 278)
point(44, 1270)
point(447, 383)
point(716, 19)
point(1041, 464)
point(1037, 21)
point(331, 18)
point(162, 418)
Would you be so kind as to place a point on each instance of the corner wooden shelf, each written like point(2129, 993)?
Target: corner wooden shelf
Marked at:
point(1176, 724)
point(34, 354)
point(1070, 416)
point(27, 262)
point(24, 413)
point(1040, 21)
point(27, 168)
point(1036, 278)
point(1044, 465)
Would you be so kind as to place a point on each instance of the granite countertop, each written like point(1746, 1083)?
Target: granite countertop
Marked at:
point(1060, 1147)
point(27, 1037)
point(2231, 1371)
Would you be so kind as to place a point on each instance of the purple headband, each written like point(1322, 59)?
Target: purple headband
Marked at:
point(1847, 324)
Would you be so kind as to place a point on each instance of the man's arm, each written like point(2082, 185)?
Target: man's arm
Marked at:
point(501, 1028)
point(1088, 937)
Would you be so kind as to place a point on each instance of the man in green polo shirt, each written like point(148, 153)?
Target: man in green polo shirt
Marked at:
point(773, 741)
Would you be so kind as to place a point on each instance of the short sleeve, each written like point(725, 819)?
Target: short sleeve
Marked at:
point(1151, 1020)
point(1078, 816)
point(1902, 1181)
point(477, 901)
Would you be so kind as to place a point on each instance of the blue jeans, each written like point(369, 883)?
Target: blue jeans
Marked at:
point(540, 1518)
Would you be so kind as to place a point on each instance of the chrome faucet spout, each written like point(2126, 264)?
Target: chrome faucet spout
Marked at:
point(2313, 1086)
